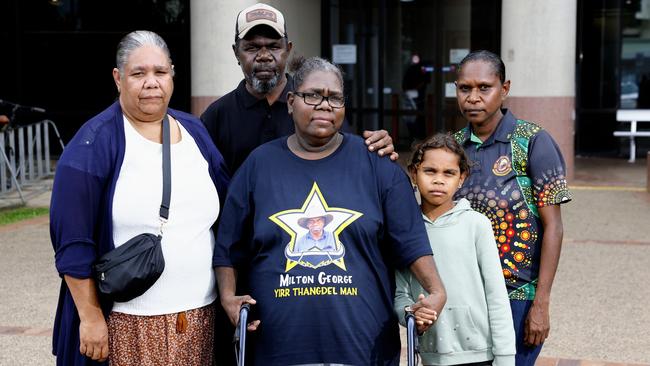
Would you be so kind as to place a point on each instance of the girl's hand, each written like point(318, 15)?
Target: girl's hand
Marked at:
point(425, 316)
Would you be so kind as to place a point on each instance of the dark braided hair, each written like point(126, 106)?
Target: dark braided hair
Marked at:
point(439, 141)
point(498, 67)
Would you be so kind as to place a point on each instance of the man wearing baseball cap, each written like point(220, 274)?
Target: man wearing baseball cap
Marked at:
point(259, 14)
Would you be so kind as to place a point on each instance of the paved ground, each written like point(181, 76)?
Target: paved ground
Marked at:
point(36, 194)
point(599, 300)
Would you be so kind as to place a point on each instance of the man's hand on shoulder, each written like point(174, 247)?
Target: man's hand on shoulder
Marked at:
point(381, 142)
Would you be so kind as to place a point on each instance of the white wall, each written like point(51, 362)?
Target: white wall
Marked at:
point(214, 68)
point(538, 46)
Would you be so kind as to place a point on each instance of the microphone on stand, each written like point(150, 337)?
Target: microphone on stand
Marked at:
point(15, 107)
point(18, 106)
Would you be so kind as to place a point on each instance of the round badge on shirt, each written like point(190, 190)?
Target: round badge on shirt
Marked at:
point(502, 166)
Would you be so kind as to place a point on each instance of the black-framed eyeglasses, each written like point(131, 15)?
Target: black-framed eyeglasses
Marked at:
point(335, 101)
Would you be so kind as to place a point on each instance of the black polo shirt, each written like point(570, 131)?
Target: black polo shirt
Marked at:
point(517, 170)
point(238, 122)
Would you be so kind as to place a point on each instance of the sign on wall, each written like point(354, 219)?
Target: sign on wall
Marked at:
point(456, 55)
point(344, 53)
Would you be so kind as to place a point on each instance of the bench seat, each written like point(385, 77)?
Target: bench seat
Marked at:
point(633, 117)
point(632, 134)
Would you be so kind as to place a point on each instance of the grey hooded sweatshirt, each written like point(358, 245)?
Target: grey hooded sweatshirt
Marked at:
point(476, 323)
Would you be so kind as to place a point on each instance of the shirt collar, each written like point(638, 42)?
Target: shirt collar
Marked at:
point(475, 139)
point(503, 132)
point(506, 127)
point(324, 237)
point(250, 100)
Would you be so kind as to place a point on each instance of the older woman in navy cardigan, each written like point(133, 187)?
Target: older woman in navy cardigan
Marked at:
point(107, 189)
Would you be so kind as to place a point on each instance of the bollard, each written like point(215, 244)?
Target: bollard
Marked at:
point(647, 179)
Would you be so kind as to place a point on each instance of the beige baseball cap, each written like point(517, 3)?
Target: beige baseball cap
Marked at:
point(260, 14)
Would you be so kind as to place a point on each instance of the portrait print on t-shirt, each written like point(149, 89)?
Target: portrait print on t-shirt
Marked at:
point(314, 232)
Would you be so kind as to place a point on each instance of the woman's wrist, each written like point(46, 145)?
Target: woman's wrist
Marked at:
point(91, 314)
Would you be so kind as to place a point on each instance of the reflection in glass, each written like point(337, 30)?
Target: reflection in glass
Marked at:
point(635, 55)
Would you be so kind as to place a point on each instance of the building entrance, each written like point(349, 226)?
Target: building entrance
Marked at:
point(400, 58)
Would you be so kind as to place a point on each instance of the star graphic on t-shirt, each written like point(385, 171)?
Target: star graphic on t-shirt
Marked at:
point(328, 222)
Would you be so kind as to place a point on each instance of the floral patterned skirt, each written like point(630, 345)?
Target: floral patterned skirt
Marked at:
point(184, 338)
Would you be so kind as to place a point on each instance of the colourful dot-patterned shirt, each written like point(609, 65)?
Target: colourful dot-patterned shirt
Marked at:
point(518, 169)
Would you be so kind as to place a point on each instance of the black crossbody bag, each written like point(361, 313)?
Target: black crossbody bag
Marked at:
point(129, 270)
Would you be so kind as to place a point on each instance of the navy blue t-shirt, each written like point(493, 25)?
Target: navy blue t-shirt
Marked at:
point(321, 305)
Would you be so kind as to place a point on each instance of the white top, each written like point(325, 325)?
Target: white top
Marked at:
point(188, 243)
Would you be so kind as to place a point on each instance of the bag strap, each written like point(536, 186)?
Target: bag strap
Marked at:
point(167, 174)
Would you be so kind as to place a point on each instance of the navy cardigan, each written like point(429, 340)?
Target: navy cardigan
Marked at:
point(81, 210)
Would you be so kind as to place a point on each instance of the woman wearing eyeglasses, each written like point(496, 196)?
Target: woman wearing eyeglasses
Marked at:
point(321, 304)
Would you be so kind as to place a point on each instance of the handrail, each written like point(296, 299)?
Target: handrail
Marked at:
point(25, 156)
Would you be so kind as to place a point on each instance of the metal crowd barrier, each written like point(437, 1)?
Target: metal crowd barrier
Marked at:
point(25, 156)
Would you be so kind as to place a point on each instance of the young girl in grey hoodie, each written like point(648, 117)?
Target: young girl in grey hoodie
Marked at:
point(475, 326)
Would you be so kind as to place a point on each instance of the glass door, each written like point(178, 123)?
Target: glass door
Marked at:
point(635, 55)
point(401, 77)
